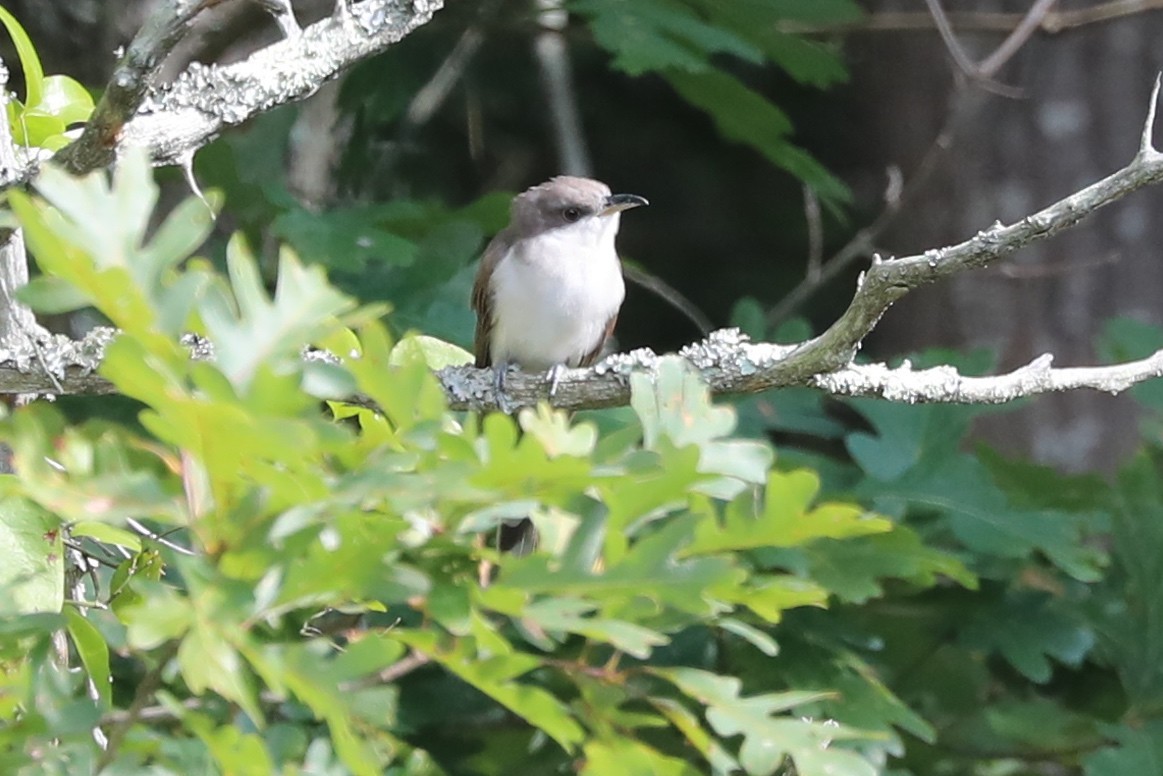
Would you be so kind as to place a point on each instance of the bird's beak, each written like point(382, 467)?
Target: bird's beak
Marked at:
point(616, 203)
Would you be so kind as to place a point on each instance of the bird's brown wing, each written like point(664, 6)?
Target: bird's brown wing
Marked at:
point(482, 296)
point(589, 358)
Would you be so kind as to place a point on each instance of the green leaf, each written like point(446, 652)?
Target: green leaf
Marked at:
point(688, 724)
point(237, 752)
point(317, 684)
point(648, 35)
point(757, 638)
point(63, 102)
point(675, 409)
point(914, 460)
point(745, 116)
point(109, 534)
point(52, 295)
point(856, 571)
point(432, 352)
point(29, 61)
point(1029, 629)
point(627, 757)
point(768, 736)
point(32, 563)
point(250, 337)
point(786, 519)
point(94, 653)
point(496, 676)
point(344, 238)
point(552, 429)
point(572, 615)
point(1139, 749)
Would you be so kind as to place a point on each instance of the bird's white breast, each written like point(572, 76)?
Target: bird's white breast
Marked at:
point(554, 293)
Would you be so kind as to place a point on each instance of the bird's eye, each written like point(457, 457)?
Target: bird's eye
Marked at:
point(571, 214)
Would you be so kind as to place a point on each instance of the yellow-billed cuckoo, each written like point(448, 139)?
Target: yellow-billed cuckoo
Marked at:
point(549, 287)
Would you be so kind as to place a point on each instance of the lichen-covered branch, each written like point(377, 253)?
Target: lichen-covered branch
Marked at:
point(130, 84)
point(174, 120)
point(182, 116)
point(728, 361)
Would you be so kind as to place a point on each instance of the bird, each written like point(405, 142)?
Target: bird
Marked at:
point(549, 286)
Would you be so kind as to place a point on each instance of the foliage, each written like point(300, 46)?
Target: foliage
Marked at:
point(259, 576)
point(52, 103)
point(683, 40)
point(327, 554)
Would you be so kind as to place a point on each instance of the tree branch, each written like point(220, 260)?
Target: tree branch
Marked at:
point(945, 384)
point(181, 117)
point(727, 360)
point(174, 120)
point(130, 83)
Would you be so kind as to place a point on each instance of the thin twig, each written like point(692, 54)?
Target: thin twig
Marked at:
point(978, 21)
point(159, 538)
point(670, 295)
point(148, 685)
point(863, 242)
point(815, 233)
point(966, 65)
point(898, 196)
point(1016, 39)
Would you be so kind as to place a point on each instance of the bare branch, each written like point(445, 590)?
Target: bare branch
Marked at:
point(944, 384)
point(1016, 39)
point(669, 294)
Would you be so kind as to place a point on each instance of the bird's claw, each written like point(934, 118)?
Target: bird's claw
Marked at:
point(503, 404)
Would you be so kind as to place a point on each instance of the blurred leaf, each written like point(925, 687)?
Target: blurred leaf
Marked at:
point(346, 238)
point(1027, 630)
point(676, 407)
point(108, 534)
point(913, 459)
point(768, 736)
point(29, 61)
point(248, 337)
point(632, 758)
point(786, 520)
point(432, 352)
point(572, 615)
point(1129, 617)
point(32, 571)
point(496, 677)
point(648, 35)
point(856, 571)
point(1138, 750)
point(94, 654)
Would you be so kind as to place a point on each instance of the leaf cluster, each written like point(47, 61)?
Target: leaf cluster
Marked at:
point(315, 590)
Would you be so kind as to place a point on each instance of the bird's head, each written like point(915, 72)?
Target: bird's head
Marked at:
point(582, 208)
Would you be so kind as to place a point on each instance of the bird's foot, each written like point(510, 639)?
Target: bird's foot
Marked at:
point(503, 403)
point(554, 376)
